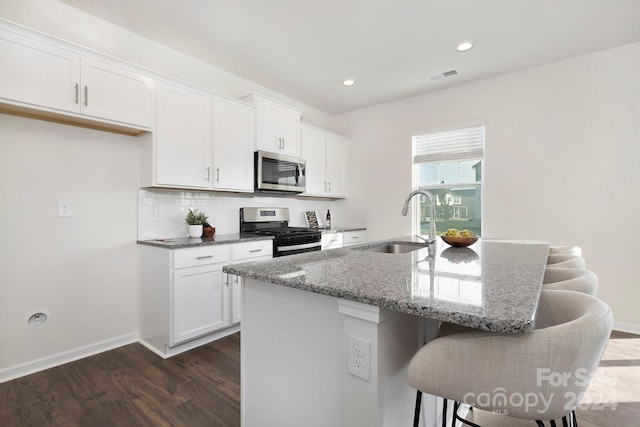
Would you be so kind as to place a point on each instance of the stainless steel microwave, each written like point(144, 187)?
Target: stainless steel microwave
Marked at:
point(279, 173)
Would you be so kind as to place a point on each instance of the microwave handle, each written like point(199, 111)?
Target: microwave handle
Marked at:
point(298, 174)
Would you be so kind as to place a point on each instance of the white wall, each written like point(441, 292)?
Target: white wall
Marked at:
point(81, 269)
point(562, 161)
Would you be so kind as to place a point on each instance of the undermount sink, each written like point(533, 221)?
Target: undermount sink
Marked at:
point(393, 247)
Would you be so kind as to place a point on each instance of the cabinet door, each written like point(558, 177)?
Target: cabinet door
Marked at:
point(235, 283)
point(113, 93)
point(183, 138)
point(336, 167)
point(200, 302)
point(232, 153)
point(289, 131)
point(331, 240)
point(38, 74)
point(314, 153)
point(267, 128)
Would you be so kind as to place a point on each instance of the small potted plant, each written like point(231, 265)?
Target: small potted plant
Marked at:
point(195, 220)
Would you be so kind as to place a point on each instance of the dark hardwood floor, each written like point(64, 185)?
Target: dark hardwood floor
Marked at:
point(131, 386)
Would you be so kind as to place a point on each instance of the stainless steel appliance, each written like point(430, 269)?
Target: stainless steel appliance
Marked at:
point(279, 173)
point(275, 222)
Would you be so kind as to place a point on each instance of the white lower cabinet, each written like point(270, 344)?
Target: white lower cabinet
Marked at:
point(185, 298)
point(200, 302)
point(245, 252)
point(331, 240)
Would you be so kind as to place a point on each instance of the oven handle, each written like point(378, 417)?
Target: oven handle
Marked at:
point(298, 247)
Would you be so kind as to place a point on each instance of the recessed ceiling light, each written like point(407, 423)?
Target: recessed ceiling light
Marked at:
point(348, 82)
point(464, 46)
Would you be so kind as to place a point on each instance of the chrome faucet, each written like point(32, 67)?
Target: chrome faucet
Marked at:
point(432, 223)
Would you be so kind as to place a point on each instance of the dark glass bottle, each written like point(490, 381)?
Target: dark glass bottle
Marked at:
point(328, 222)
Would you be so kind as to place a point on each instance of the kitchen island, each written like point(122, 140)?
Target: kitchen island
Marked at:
point(326, 336)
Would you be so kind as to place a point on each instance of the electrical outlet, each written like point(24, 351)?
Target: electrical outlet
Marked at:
point(359, 357)
point(64, 208)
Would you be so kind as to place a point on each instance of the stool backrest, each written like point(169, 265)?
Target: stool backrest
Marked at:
point(570, 279)
point(536, 375)
point(565, 261)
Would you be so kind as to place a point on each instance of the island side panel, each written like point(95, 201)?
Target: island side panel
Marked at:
point(292, 366)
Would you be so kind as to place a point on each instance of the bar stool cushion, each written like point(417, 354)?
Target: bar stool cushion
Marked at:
point(536, 375)
point(570, 279)
point(565, 261)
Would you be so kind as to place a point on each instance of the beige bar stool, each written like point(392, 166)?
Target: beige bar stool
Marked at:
point(565, 261)
point(570, 279)
point(538, 375)
point(565, 250)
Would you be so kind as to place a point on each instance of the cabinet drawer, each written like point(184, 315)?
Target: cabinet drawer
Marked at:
point(354, 237)
point(200, 256)
point(252, 249)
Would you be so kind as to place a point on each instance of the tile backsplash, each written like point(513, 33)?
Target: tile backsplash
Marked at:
point(161, 213)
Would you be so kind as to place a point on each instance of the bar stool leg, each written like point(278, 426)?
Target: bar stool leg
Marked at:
point(444, 412)
point(416, 412)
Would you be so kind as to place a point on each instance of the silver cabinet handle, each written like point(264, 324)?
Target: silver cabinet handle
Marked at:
point(76, 99)
point(329, 186)
point(86, 96)
point(217, 174)
point(208, 169)
point(252, 251)
point(237, 280)
point(204, 257)
point(355, 237)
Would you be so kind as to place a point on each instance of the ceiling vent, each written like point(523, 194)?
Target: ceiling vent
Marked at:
point(439, 76)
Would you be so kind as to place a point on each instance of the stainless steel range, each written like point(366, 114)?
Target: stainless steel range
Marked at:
point(275, 222)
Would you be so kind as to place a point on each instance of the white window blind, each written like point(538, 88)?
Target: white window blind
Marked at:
point(458, 144)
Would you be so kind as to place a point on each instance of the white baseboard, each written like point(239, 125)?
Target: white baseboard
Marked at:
point(190, 345)
point(626, 327)
point(16, 371)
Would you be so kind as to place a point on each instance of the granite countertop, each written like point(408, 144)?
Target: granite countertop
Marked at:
point(492, 285)
point(190, 242)
point(341, 229)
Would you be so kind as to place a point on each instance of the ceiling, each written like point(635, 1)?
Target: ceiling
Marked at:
point(303, 49)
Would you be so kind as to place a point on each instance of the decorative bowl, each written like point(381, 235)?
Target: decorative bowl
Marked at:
point(460, 242)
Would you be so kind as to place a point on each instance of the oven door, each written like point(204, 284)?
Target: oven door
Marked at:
point(279, 173)
point(290, 245)
point(297, 248)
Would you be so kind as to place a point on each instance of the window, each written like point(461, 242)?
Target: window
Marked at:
point(448, 164)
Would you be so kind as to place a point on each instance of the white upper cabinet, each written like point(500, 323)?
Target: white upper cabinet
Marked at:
point(326, 156)
point(181, 143)
point(200, 142)
point(38, 73)
point(114, 93)
point(277, 126)
point(43, 77)
point(232, 146)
